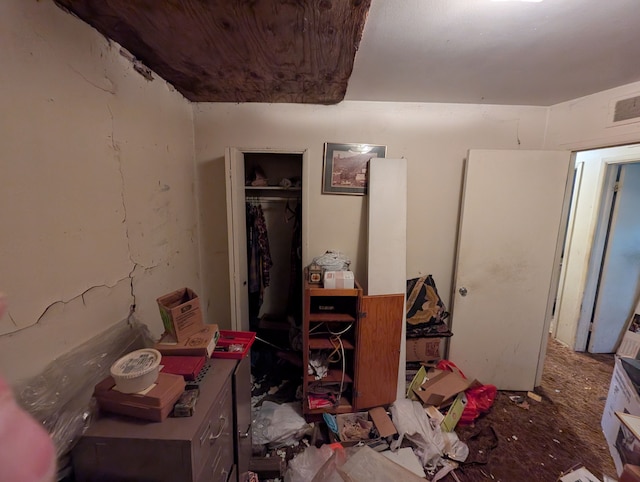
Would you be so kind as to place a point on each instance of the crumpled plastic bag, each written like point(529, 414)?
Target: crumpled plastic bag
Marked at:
point(414, 424)
point(352, 464)
point(278, 425)
point(304, 466)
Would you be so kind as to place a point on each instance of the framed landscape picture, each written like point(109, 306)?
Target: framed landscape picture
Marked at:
point(345, 167)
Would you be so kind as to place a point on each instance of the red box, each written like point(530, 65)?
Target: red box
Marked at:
point(186, 366)
point(228, 338)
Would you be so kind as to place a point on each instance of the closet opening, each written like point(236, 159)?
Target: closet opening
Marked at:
point(266, 248)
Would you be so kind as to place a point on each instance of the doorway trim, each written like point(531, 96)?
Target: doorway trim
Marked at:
point(233, 198)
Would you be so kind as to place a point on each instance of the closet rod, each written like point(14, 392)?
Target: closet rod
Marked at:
point(267, 199)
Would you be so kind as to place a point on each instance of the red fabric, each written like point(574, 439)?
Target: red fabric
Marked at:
point(479, 398)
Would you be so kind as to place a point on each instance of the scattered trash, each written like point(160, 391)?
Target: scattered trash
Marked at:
point(578, 475)
point(279, 425)
point(514, 437)
point(556, 440)
point(534, 396)
point(520, 401)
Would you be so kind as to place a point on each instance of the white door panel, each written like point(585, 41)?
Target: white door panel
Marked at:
point(618, 288)
point(511, 216)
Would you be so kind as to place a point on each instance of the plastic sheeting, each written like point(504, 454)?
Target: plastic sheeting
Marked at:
point(61, 396)
point(353, 464)
point(278, 425)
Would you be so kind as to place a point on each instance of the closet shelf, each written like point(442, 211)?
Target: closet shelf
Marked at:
point(326, 344)
point(271, 188)
point(333, 376)
point(343, 407)
point(331, 318)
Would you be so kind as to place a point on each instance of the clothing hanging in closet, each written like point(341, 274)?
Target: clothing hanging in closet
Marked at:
point(258, 254)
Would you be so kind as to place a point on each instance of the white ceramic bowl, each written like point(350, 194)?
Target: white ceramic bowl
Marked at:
point(136, 371)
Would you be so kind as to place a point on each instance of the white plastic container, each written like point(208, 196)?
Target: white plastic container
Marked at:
point(137, 370)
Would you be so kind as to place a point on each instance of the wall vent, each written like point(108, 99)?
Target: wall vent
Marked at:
point(627, 109)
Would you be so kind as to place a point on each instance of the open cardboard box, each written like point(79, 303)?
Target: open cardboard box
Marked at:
point(362, 419)
point(181, 314)
point(441, 387)
point(623, 397)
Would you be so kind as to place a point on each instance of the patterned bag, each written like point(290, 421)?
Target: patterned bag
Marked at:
point(426, 313)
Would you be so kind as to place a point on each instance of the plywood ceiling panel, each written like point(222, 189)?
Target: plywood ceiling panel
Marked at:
point(298, 51)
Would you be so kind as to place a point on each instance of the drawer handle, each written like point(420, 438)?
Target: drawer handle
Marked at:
point(245, 434)
point(223, 425)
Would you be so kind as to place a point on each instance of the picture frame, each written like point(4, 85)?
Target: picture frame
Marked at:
point(345, 167)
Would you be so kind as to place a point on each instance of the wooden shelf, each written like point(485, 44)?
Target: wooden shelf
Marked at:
point(331, 318)
point(344, 406)
point(333, 376)
point(315, 290)
point(325, 344)
point(342, 306)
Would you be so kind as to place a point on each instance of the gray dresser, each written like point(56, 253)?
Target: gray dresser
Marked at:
point(213, 445)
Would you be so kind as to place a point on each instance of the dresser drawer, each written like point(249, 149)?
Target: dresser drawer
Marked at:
point(213, 447)
point(117, 448)
point(215, 470)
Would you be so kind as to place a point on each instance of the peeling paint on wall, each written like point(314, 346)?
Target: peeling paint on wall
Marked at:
point(98, 170)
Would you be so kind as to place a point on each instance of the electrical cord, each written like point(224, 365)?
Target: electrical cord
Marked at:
point(329, 332)
point(344, 369)
point(338, 353)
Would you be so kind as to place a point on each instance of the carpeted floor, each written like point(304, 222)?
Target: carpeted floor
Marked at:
point(551, 436)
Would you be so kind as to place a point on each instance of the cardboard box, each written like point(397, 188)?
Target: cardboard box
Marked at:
point(623, 397)
point(423, 349)
point(441, 387)
point(581, 474)
point(181, 314)
point(454, 413)
point(201, 343)
point(338, 280)
point(346, 421)
point(383, 422)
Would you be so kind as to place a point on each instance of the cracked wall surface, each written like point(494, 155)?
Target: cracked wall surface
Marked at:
point(97, 187)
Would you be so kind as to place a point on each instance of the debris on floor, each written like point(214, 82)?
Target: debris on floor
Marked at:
point(424, 447)
point(580, 474)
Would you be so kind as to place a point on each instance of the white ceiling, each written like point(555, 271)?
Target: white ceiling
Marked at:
point(495, 52)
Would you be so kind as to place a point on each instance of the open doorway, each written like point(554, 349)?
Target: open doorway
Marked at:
point(600, 276)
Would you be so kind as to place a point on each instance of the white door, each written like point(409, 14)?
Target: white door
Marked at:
point(620, 274)
point(237, 235)
point(512, 213)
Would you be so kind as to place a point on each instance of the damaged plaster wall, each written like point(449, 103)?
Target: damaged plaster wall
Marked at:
point(97, 187)
point(433, 137)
